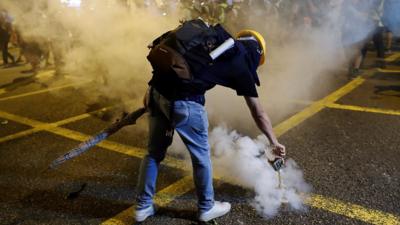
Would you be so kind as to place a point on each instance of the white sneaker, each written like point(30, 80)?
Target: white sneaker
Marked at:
point(141, 215)
point(219, 209)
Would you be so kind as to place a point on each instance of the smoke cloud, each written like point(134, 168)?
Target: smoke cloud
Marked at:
point(237, 158)
point(107, 43)
point(104, 42)
point(243, 161)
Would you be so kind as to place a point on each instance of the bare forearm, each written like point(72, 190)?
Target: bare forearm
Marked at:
point(264, 124)
point(261, 118)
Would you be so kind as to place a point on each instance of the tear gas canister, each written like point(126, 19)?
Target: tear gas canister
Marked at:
point(277, 163)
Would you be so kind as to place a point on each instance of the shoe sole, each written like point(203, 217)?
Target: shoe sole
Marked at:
point(150, 215)
point(211, 219)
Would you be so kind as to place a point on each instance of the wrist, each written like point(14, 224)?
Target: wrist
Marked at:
point(275, 142)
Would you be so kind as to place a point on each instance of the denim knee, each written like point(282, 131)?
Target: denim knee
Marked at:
point(158, 156)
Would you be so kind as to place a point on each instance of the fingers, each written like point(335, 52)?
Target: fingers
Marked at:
point(279, 150)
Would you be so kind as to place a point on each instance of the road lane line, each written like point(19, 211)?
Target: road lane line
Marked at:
point(19, 135)
point(387, 71)
point(162, 199)
point(393, 57)
point(116, 147)
point(41, 91)
point(140, 153)
point(39, 126)
point(20, 119)
point(363, 109)
point(317, 106)
point(81, 117)
point(46, 74)
point(40, 75)
point(353, 211)
point(137, 152)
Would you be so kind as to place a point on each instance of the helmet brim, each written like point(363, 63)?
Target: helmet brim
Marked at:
point(260, 40)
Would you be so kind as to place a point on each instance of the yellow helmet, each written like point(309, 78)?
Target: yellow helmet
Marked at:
point(260, 40)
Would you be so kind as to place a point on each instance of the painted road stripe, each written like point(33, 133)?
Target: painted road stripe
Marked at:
point(46, 74)
point(21, 119)
point(393, 57)
point(388, 71)
point(77, 136)
point(38, 126)
point(316, 107)
point(116, 147)
point(41, 91)
point(162, 199)
point(40, 75)
point(137, 152)
point(19, 134)
point(169, 161)
point(353, 211)
point(363, 109)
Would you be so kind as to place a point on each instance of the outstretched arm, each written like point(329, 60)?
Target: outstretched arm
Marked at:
point(264, 124)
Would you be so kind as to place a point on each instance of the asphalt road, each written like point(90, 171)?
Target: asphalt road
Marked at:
point(350, 156)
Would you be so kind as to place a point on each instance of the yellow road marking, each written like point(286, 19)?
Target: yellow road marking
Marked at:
point(20, 119)
point(361, 213)
point(140, 153)
point(40, 75)
point(388, 71)
point(80, 117)
point(77, 136)
point(353, 211)
point(363, 109)
point(316, 107)
point(393, 57)
point(19, 134)
point(40, 91)
point(44, 74)
point(162, 198)
point(39, 126)
point(116, 147)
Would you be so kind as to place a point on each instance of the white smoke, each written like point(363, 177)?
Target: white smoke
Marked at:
point(240, 160)
point(108, 42)
point(102, 41)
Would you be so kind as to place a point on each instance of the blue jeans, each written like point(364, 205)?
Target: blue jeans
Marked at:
point(191, 123)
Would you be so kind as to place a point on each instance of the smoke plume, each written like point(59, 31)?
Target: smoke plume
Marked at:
point(243, 161)
point(107, 43)
point(103, 42)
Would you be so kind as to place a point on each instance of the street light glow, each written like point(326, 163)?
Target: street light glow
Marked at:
point(72, 3)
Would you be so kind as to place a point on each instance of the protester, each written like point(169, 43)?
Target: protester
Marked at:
point(356, 28)
point(5, 35)
point(176, 104)
point(375, 15)
point(391, 21)
point(32, 49)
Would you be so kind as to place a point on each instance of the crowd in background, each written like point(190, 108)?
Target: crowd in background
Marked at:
point(31, 48)
point(378, 16)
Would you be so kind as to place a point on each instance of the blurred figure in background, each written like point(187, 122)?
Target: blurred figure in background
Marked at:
point(357, 27)
point(375, 16)
point(32, 53)
point(391, 18)
point(5, 35)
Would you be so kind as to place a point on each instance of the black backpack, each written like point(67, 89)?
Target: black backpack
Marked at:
point(185, 50)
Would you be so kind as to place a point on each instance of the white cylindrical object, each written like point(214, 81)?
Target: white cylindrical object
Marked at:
point(222, 48)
